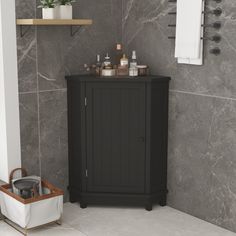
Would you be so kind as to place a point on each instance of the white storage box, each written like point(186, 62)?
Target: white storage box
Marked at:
point(32, 212)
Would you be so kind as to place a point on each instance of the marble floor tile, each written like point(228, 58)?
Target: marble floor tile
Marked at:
point(55, 230)
point(112, 221)
point(51, 230)
point(7, 230)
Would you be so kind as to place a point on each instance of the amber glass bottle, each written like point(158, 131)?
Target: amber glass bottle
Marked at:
point(119, 54)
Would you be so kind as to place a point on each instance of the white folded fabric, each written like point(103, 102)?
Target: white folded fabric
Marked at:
point(188, 44)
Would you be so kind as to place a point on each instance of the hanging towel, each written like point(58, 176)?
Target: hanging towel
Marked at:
point(189, 46)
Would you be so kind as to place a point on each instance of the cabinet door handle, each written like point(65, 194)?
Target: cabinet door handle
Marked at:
point(141, 139)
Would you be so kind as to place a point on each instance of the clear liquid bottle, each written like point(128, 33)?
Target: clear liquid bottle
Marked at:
point(98, 65)
point(133, 63)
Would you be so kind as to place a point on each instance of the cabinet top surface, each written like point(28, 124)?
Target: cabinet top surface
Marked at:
point(92, 78)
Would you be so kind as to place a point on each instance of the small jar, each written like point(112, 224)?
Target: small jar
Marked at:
point(142, 70)
point(133, 71)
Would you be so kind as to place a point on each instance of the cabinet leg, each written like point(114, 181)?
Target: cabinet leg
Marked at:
point(73, 199)
point(83, 205)
point(148, 206)
point(162, 201)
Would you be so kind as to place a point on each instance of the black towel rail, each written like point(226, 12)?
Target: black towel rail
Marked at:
point(217, 12)
point(216, 38)
point(215, 25)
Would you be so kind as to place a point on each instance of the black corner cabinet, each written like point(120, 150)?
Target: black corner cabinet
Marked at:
point(118, 140)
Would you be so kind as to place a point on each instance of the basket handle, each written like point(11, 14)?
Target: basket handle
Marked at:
point(23, 172)
point(34, 190)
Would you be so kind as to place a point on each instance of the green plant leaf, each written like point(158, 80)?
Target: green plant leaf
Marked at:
point(47, 3)
point(66, 2)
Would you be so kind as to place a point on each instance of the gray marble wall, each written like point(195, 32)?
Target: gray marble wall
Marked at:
point(45, 55)
point(202, 123)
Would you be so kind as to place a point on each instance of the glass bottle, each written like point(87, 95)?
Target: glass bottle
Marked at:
point(98, 65)
point(133, 63)
point(107, 62)
point(124, 61)
point(119, 54)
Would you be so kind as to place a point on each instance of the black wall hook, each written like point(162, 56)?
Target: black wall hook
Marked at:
point(217, 12)
point(216, 38)
point(216, 25)
point(216, 51)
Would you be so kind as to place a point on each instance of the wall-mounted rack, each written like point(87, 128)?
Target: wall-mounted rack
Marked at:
point(74, 23)
point(217, 12)
point(214, 38)
point(216, 25)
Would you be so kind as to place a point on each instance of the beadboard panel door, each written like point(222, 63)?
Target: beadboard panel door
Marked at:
point(115, 120)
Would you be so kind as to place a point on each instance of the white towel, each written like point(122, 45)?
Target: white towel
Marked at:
point(189, 46)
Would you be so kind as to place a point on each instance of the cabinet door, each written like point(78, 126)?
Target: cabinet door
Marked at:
point(115, 120)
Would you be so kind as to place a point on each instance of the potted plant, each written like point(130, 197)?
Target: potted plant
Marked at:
point(48, 9)
point(65, 9)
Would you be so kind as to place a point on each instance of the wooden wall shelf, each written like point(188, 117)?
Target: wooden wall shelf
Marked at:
point(56, 22)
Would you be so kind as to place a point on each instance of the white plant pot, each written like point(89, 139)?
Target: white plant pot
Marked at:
point(49, 13)
point(57, 12)
point(65, 12)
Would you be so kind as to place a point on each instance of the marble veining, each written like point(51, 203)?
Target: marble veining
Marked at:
point(45, 55)
point(26, 48)
point(201, 157)
point(29, 132)
point(53, 137)
point(201, 174)
point(145, 27)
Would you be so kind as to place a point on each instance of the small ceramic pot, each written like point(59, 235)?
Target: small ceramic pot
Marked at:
point(57, 12)
point(65, 11)
point(48, 13)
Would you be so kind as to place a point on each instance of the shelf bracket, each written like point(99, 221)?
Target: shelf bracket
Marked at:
point(74, 29)
point(22, 31)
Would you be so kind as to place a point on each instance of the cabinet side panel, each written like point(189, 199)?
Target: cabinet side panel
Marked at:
point(75, 137)
point(158, 136)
